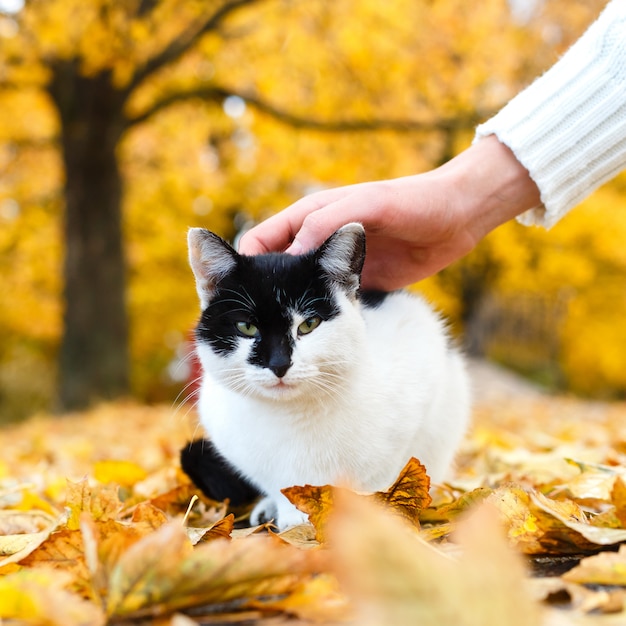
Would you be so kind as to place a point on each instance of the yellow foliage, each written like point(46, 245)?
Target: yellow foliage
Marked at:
point(201, 164)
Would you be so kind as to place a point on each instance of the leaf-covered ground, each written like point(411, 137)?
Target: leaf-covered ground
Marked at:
point(99, 526)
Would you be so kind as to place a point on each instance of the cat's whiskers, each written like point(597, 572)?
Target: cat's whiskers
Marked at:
point(179, 402)
point(243, 297)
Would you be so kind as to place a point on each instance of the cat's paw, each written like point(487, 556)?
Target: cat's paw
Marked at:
point(288, 517)
point(264, 511)
point(284, 516)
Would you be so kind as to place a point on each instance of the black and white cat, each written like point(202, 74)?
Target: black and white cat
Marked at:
point(308, 380)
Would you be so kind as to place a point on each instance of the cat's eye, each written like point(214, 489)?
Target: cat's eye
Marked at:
point(247, 329)
point(309, 325)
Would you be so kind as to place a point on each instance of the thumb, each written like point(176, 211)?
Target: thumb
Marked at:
point(321, 224)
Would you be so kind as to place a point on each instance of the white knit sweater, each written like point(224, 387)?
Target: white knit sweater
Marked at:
point(568, 128)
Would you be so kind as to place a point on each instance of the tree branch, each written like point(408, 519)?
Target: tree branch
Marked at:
point(185, 41)
point(218, 94)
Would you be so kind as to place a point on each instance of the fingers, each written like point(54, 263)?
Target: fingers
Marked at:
point(272, 235)
point(297, 228)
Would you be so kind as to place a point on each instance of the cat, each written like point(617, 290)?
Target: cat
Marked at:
point(309, 380)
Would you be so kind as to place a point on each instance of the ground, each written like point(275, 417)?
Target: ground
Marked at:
point(119, 536)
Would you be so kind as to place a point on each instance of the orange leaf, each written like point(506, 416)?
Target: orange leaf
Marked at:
point(63, 551)
point(316, 502)
point(221, 529)
point(618, 498)
point(409, 495)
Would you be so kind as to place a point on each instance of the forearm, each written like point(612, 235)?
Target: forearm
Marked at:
point(568, 128)
point(490, 186)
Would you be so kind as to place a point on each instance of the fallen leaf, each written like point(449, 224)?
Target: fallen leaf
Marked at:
point(19, 546)
point(14, 522)
point(163, 572)
point(521, 523)
point(395, 577)
point(618, 498)
point(585, 535)
point(63, 551)
point(221, 529)
point(38, 597)
point(122, 473)
point(301, 536)
point(458, 506)
point(318, 600)
point(101, 502)
point(146, 515)
point(605, 568)
point(409, 495)
point(316, 502)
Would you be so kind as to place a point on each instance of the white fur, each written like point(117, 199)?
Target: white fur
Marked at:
point(367, 390)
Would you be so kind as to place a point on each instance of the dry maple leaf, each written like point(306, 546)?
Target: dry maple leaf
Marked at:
point(316, 502)
point(409, 495)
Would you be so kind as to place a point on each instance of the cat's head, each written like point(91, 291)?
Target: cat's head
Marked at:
point(279, 326)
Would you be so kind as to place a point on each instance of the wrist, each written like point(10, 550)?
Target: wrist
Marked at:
point(491, 185)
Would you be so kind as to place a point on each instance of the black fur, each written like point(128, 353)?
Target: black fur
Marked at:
point(260, 290)
point(214, 476)
point(373, 298)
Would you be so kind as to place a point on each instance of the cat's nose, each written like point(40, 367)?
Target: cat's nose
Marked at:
point(280, 369)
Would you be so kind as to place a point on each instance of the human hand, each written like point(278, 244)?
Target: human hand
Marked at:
point(415, 225)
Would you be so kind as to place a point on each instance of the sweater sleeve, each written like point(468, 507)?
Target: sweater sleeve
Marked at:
point(568, 128)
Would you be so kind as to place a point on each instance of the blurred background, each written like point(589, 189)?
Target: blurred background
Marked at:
point(124, 122)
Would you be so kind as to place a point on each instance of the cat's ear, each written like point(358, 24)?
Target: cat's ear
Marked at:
point(342, 256)
point(211, 258)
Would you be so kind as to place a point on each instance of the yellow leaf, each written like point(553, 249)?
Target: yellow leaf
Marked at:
point(123, 473)
point(585, 535)
point(605, 568)
point(102, 503)
point(317, 600)
point(31, 501)
point(37, 597)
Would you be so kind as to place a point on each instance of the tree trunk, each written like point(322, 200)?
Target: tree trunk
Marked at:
point(94, 362)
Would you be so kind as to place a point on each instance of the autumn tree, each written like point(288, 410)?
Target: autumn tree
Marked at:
point(115, 98)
